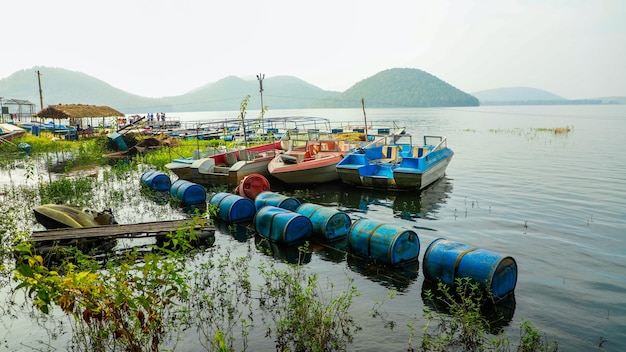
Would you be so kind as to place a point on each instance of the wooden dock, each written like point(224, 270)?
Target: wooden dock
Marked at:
point(109, 232)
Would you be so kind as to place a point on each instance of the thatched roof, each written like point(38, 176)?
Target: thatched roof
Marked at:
point(76, 111)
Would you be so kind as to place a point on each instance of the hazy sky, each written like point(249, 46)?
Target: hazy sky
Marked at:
point(572, 48)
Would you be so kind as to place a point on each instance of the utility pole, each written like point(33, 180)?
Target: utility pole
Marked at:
point(364, 116)
point(260, 77)
point(40, 93)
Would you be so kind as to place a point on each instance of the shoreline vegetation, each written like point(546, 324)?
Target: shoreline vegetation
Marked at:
point(143, 300)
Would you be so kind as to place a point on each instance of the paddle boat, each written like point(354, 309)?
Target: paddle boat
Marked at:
point(227, 167)
point(313, 162)
point(9, 132)
point(58, 216)
point(397, 166)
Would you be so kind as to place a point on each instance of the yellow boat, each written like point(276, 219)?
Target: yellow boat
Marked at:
point(56, 216)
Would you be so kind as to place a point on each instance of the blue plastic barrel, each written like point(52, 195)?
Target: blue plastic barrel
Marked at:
point(118, 140)
point(328, 223)
point(282, 225)
point(25, 147)
point(156, 181)
point(446, 261)
point(276, 199)
point(233, 208)
point(384, 242)
point(188, 192)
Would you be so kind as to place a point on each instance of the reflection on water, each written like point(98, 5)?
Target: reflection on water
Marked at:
point(363, 203)
point(282, 253)
point(405, 205)
point(396, 278)
point(331, 251)
point(240, 232)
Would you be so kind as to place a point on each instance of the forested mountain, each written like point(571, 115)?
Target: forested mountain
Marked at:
point(404, 87)
point(61, 86)
point(279, 92)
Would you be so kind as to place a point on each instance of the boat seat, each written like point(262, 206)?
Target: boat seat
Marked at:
point(328, 146)
point(419, 152)
point(313, 149)
point(244, 155)
point(390, 154)
point(231, 158)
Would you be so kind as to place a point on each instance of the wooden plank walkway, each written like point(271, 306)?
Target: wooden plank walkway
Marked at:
point(146, 229)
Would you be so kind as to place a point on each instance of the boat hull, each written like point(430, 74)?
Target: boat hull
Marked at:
point(416, 180)
point(348, 168)
point(230, 176)
point(57, 216)
point(414, 168)
point(321, 170)
point(182, 170)
point(9, 132)
point(227, 168)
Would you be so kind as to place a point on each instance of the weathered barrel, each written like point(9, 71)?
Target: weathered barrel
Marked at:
point(328, 223)
point(384, 242)
point(233, 208)
point(118, 141)
point(446, 261)
point(156, 180)
point(188, 192)
point(252, 185)
point(277, 200)
point(282, 225)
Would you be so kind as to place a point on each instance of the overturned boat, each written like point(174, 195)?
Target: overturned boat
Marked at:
point(58, 216)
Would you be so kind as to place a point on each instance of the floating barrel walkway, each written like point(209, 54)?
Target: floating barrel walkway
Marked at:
point(283, 220)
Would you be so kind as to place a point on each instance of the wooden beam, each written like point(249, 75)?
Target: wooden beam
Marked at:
point(157, 228)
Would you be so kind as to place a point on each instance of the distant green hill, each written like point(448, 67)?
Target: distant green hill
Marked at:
point(404, 87)
point(280, 92)
point(61, 86)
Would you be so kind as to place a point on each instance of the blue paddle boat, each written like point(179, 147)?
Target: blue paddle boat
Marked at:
point(397, 166)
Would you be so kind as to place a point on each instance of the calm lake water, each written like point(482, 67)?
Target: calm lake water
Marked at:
point(554, 202)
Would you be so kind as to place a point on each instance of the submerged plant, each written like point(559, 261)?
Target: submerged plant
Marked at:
point(68, 191)
point(132, 305)
point(456, 321)
point(306, 316)
point(222, 303)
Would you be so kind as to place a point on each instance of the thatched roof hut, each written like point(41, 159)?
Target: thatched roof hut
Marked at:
point(76, 111)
